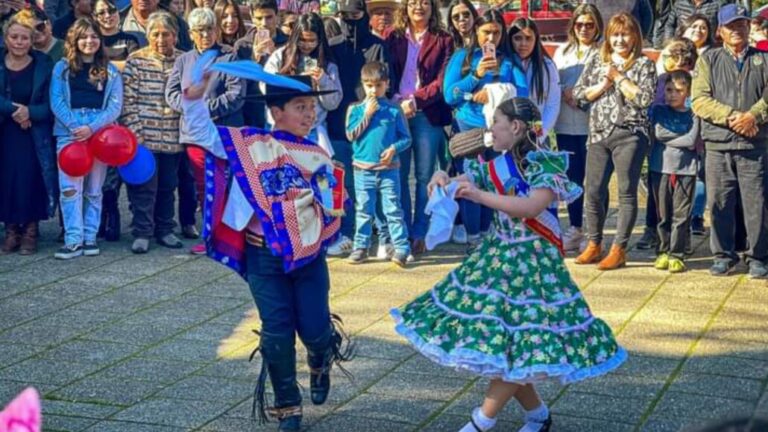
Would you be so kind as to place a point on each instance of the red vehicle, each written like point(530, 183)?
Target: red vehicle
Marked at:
point(552, 16)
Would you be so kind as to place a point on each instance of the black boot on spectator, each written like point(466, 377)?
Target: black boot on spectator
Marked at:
point(649, 240)
point(111, 217)
point(697, 226)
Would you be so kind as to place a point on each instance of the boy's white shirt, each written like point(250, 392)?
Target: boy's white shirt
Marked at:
point(238, 211)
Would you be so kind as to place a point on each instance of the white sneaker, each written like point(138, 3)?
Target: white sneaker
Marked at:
point(342, 246)
point(459, 235)
point(572, 239)
point(385, 251)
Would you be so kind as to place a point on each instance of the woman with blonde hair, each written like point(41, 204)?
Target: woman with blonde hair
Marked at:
point(86, 95)
point(619, 85)
point(27, 160)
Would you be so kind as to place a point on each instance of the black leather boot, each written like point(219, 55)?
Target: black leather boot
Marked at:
point(333, 347)
point(278, 355)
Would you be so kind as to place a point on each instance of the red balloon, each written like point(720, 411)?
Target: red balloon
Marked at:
point(76, 159)
point(114, 145)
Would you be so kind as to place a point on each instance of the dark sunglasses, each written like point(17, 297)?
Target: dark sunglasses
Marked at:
point(40, 27)
point(106, 12)
point(460, 15)
point(585, 26)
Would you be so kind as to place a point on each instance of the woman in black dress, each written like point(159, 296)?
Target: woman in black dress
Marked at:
point(27, 157)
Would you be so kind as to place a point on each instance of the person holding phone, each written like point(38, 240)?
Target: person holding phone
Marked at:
point(486, 60)
point(307, 53)
point(418, 50)
point(258, 44)
point(540, 71)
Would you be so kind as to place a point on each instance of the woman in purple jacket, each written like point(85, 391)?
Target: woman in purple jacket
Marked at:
point(418, 52)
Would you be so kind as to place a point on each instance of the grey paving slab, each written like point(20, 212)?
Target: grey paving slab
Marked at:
point(46, 371)
point(154, 370)
point(232, 369)
point(341, 423)
point(98, 389)
point(227, 424)
point(208, 388)
point(729, 366)
point(209, 332)
point(10, 389)
point(78, 409)
point(624, 410)
point(124, 426)
point(12, 352)
point(139, 334)
point(562, 423)
point(85, 351)
point(389, 408)
point(52, 422)
point(691, 407)
point(185, 350)
point(173, 412)
point(417, 386)
point(718, 386)
point(451, 422)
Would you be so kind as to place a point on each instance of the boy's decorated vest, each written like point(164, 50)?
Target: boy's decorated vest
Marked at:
point(293, 187)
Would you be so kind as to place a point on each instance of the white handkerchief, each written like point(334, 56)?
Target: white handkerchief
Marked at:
point(442, 207)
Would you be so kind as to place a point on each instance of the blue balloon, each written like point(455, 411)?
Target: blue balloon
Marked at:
point(140, 169)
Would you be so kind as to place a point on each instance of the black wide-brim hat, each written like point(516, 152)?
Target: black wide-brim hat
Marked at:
point(277, 86)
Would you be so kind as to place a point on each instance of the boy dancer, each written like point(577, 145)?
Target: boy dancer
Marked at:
point(272, 225)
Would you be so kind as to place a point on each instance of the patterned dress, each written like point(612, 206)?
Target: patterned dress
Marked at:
point(511, 309)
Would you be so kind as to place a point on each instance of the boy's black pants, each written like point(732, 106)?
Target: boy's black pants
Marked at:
point(674, 202)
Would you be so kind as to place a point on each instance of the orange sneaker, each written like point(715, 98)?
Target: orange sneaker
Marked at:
point(616, 258)
point(591, 254)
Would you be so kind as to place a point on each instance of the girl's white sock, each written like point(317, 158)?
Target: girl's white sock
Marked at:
point(480, 421)
point(535, 418)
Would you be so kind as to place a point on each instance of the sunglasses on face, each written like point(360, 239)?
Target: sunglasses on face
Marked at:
point(40, 27)
point(106, 12)
point(585, 26)
point(461, 16)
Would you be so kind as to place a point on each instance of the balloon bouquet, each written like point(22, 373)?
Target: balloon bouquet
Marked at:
point(115, 146)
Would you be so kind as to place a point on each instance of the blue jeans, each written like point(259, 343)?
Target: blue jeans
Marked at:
point(342, 150)
point(80, 197)
point(699, 199)
point(426, 140)
point(576, 146)
point(369, 186)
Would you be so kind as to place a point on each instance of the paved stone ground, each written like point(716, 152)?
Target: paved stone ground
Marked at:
point(160, 342)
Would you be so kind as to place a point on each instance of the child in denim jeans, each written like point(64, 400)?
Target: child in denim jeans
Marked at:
point(378, 131)
point(86, 95)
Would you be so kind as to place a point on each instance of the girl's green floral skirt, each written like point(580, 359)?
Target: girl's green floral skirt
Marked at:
point(511, 311)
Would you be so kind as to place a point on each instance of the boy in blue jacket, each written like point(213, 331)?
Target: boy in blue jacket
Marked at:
point(378, 131)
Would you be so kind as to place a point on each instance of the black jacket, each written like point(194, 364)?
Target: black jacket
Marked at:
point(719, 88)
point(359, 47)
point(42, 120)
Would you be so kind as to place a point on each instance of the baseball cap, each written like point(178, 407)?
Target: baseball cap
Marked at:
point(730, 13)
